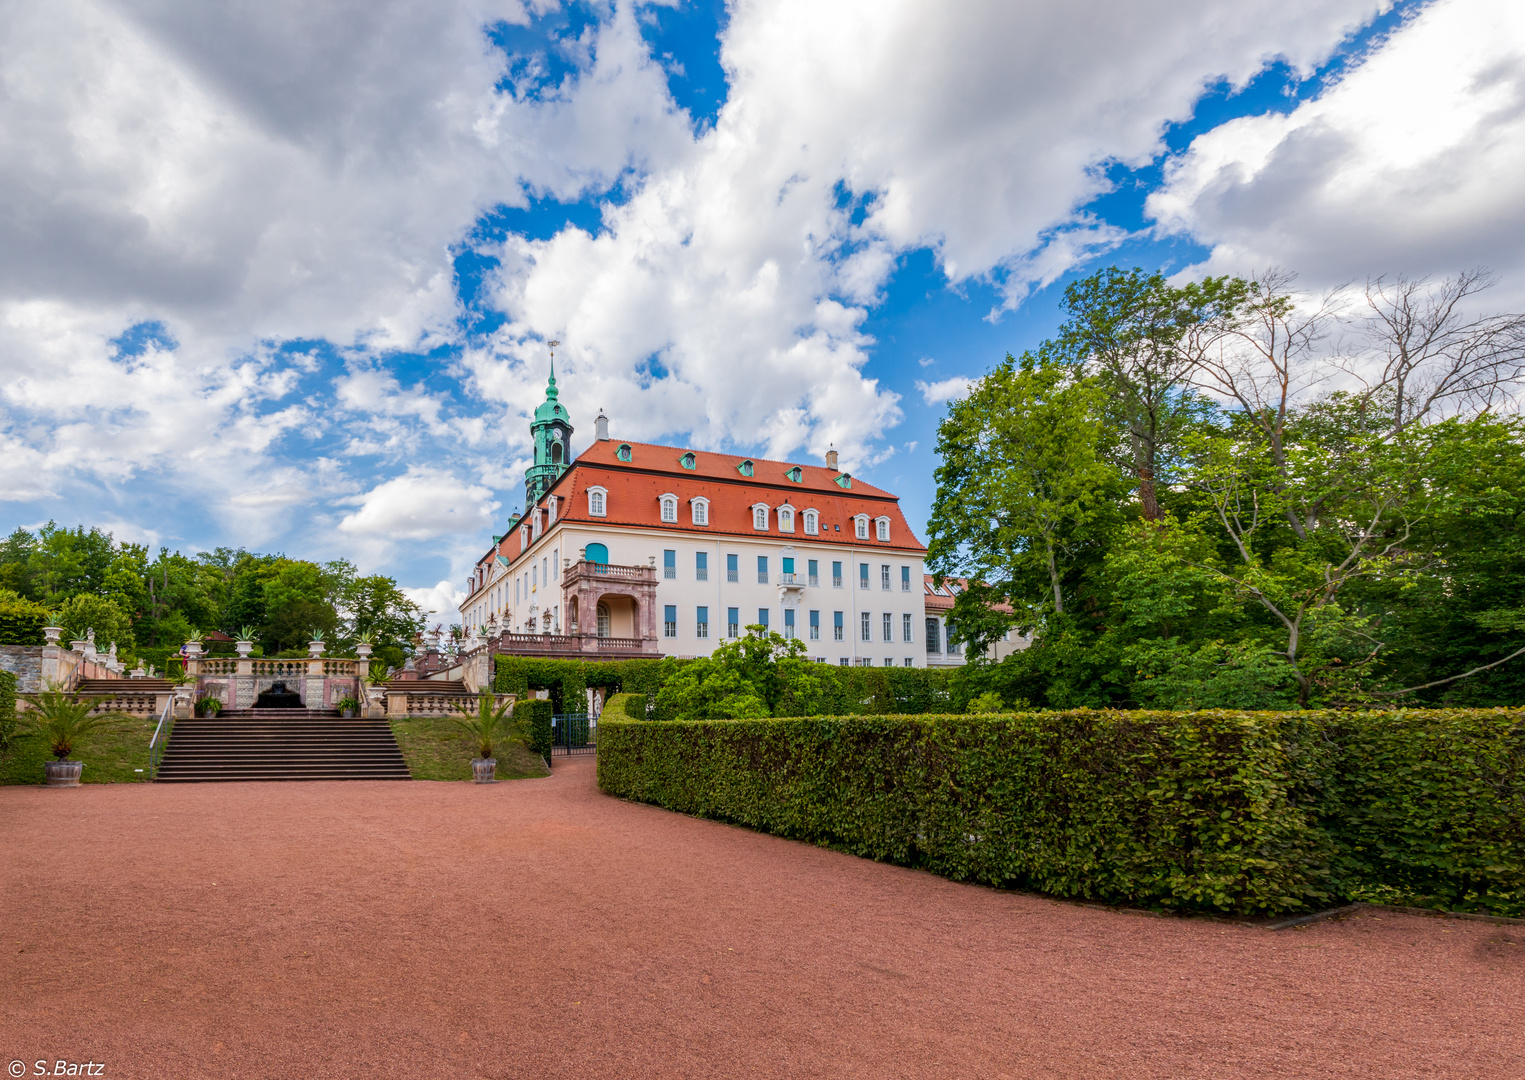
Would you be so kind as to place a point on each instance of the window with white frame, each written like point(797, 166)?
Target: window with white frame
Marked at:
point(760, 518)
point(598, 501)
point(524, 538)
point(700, 511)
point(535, 525)
point(812, 523)
point(550, 509)
point(786, 519)
point(860, 527)
point(669, 509)
point(884, 528)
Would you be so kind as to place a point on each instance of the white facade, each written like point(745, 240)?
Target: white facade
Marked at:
point(714, 587)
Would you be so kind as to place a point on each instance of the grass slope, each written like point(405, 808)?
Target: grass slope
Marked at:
point(435, 748)
point(110, 756)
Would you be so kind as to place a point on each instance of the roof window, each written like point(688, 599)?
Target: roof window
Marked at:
point(623, 453)
point(745, 468)
point(845, 480)
point(796, 474)
point(688, 461)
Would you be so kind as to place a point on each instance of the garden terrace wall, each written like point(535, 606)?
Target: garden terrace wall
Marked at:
point(1266, 812)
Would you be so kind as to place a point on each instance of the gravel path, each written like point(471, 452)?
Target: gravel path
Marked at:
point(540, 929)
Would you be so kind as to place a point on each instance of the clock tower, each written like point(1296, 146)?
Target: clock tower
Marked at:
point(551, 432)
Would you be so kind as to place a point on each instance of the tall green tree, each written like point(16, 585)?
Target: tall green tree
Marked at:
point(1024, 487)
point(1142, 339)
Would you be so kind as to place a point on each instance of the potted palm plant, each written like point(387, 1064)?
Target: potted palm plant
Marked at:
point(486, 723)
point(63, 719)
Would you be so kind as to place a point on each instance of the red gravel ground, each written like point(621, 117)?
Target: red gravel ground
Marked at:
point(538, 928)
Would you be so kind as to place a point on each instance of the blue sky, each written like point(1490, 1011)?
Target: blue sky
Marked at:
point(293, 292)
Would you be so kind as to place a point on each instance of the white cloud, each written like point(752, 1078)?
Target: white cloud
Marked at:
point(442, 600)
point(975, 129)
point(944, 390)
point(1410, 164)
point(424, 504)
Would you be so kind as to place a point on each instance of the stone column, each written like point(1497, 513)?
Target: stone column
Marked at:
point(312, 691)
point(242, 690)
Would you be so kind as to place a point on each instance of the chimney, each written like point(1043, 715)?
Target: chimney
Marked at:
point(831, 459)
point(601, 427)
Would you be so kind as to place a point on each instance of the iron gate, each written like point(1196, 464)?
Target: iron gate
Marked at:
point(571, 733)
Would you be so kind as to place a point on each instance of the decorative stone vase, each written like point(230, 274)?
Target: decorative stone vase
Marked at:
point(363, 651)
point(314, 649)
point(65, 773)
point(244, 648)
point(484, 770)
point(51, 634)
point(192, 649)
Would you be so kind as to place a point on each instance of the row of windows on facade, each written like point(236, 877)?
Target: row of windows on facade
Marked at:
point(786, 515)
point(788, 573)
point(813, 628)
point(529, 580)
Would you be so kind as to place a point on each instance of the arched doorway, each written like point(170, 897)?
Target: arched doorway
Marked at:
point(597, 553)
point(603, 620)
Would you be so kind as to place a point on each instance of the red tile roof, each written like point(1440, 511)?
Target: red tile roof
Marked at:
point(635, 488)
point(942, 599)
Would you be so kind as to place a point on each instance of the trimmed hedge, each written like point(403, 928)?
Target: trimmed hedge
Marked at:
point(536, 715)
point(624, 707)
point(846, 691)
point(7, 709)
point(1262, 812)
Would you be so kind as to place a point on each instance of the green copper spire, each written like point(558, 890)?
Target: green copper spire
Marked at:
point(551, 433)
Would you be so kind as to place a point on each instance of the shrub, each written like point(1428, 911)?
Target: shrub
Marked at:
point(1267, 812)
point(7, 709)
point(21, 620)
point(534, 716)
point(625, 707)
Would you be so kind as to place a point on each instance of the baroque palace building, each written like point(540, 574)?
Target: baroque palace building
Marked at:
point(636, 549)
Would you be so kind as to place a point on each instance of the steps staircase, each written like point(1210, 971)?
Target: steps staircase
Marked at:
point(441, 687)
point(124, 686)
point(280, 744)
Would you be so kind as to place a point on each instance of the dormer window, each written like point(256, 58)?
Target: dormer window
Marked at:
point(796, 474)
point(623, 453)
point(535, 525)
point(745, 468)
point(760, 518)
point(598, 500)
point(689, 461)
point(845, 480)
point(812, 523)
point(883, 528)
point(786, 519)
point(860, 526)
point(699, 510)
point(550, 510)
point(524, 537)
point(669, 509)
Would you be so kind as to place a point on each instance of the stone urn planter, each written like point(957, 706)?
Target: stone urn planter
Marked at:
point(484, 770)
point(66, 773)
point(51, 634)
point(363, 651)
point(244, 648)
point(314, 649)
